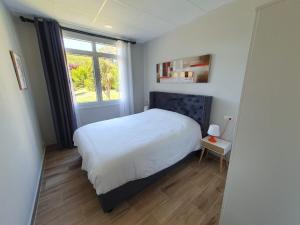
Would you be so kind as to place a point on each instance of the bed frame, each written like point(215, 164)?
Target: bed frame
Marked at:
point(197, 107)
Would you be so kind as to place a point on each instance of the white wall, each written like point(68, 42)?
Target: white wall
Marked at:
point(29, 44)
point(21, 145)
point(225, 33)
point(263, 181)
point(91, 114)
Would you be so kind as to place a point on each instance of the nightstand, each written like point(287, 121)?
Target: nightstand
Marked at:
point(221, 148)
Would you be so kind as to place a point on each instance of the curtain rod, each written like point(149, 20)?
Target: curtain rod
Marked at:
point(23, 19)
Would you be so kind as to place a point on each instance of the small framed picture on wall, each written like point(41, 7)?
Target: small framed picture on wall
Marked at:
point(19, 70)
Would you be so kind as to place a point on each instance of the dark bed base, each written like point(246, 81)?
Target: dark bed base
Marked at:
point(196, 107)
point(116, 196)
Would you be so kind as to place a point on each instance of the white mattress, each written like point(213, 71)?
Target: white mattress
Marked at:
point(129, 148)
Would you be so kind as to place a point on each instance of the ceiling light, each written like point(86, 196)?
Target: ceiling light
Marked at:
point(108, 26)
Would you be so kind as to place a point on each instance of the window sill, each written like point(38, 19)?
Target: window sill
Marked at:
point(98, 104)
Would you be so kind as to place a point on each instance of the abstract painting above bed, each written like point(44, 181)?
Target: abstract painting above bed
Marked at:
point(186, 70)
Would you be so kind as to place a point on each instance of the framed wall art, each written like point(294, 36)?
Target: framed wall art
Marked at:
point(19, 70)
point(186, 70)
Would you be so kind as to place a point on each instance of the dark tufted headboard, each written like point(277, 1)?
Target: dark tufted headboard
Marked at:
point(195, 106)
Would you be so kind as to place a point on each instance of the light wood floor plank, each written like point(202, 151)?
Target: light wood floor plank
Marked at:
point(191, 194)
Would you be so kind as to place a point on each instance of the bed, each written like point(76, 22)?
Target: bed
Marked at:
point(124, 155)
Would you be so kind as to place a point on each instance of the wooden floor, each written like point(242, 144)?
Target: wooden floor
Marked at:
point(190, 194)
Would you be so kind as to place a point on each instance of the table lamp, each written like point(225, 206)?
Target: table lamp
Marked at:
point(213, 131)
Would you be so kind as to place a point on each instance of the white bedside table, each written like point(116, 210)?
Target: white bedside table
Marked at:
point(221, 148)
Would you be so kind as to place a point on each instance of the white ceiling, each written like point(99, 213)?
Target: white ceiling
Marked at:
point(139, 20)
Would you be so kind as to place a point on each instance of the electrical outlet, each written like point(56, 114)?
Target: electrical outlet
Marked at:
point(228, 118)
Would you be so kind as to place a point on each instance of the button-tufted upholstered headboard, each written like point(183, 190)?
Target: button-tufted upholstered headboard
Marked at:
point(195, 106)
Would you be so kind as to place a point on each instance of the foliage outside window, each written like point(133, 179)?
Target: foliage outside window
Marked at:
point(93, 69)
point(110, 80)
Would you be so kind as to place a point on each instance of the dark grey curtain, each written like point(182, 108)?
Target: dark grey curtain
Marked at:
point(55, 69)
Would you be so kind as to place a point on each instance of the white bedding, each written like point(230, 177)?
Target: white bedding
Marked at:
point(128, 148)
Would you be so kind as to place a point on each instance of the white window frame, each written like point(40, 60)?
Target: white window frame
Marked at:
point(97, 73)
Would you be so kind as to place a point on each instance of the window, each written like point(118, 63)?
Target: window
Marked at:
point(82, 73)
point(78, 44)
point(93, 69)
point(109, 78)
point(104, 48)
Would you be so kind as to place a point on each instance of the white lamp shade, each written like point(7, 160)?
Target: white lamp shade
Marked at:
point(214, 130)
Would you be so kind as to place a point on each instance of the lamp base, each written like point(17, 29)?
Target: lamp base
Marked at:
point(212, 139)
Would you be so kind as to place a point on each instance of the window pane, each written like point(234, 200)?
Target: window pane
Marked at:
point(109, 79)
point(82, 74)
point(104, 48)
point(78, 44)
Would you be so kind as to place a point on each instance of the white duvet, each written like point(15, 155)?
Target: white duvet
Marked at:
point(120, 150)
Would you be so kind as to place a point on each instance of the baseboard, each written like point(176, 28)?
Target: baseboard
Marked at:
point(37, 193)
